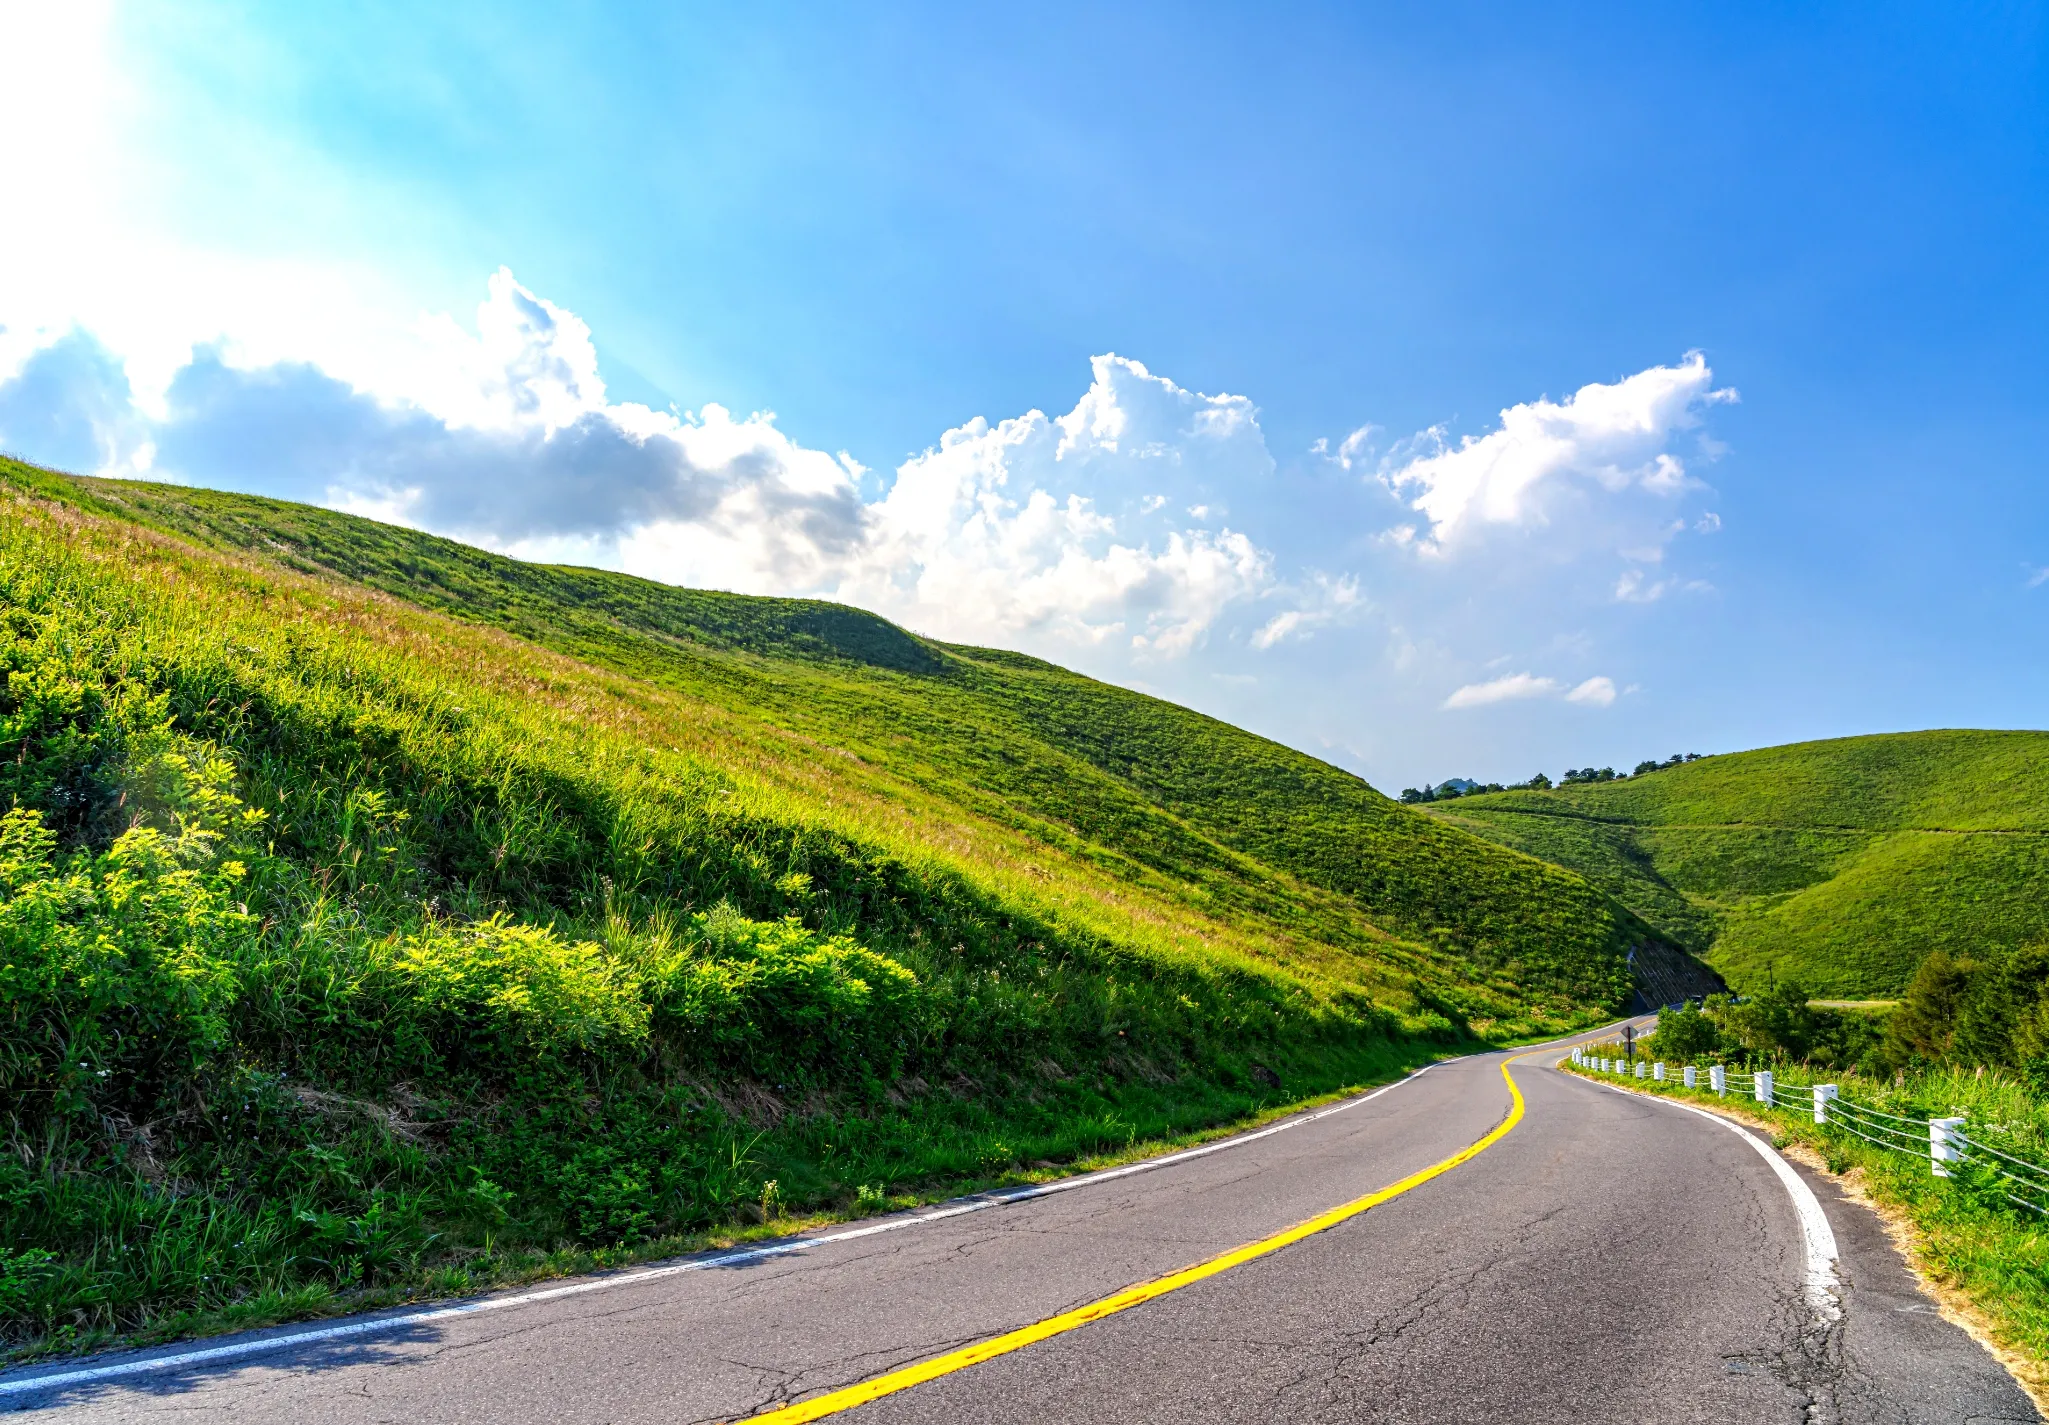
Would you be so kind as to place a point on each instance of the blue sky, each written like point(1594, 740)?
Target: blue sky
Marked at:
point(1494, 389)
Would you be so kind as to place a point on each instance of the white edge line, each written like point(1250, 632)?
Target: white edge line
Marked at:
point(1817, 1236)
point(978, 1203)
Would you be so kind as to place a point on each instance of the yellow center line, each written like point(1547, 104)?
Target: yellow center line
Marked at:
point(890, 1382)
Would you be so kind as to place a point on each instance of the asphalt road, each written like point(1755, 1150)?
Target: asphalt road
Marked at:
point(1611, 1259)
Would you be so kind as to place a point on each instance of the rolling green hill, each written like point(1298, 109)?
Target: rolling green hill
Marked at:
point(1838, 863)
point(379, 914)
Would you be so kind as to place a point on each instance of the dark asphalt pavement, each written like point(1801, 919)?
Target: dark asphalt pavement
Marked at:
point(1611, 1259)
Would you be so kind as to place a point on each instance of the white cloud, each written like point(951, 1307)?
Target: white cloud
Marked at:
point(1025, 530)
point(1501, 690)
point(1280, 628)
point(1016, 529)
point(1595, 692)
point(1324, 600)
point(1612, 437)
point(1632, 588)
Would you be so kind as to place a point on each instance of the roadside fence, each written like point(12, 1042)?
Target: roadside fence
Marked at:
point(1942, 1141)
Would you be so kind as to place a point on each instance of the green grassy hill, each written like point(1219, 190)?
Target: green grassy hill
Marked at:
point(381, 915)
point(1839, 863)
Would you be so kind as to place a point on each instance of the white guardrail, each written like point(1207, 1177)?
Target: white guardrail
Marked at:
point(1941, 1141)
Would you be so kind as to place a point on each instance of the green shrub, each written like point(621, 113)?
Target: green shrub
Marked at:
point(769, 997)
point(117, 969)
point(495, 987)
point(1686, 1035)
point(1777, 1027)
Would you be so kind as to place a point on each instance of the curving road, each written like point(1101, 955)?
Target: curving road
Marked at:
point(1610, 1257)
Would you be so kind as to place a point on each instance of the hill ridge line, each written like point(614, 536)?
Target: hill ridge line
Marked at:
point(1761, 825)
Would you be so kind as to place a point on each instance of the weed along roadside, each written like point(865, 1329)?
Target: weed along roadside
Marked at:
point(351, 953)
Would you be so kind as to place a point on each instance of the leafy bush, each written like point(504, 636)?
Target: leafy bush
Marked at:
point(1686, 1035)
point(1779, 1026)
point(766, 996)
point(496, 988)
point(117, 969)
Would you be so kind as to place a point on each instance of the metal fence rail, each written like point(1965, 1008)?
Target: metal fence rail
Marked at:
point(1941, 1142)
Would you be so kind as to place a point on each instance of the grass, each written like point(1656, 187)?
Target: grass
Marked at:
point(1839, 864)
point(380, 917)
point(1966, 1237)
point(1143, 789)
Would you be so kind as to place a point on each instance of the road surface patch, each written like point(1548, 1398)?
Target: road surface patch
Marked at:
point(890, 1382)
point(1816, 1236)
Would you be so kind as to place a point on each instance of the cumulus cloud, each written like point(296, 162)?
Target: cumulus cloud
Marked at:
point(69, 405)
point(1039, 526)
point(1594, 692)
point(1613, 437)
point(1106, 527)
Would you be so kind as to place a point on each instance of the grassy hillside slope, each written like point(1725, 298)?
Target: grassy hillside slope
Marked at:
point(1839, 863)
point(349, 946)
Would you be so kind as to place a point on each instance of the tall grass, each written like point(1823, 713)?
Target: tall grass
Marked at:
point(1183, 807)
point(348, 950)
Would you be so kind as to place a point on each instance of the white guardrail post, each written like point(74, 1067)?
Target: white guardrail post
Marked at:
point(1822, 1094)
point(1764, 1087)
point(1943, 1146)
point(1642, 1068)
point(1692, 1077)
point(1718, 1080)
point(1658, 1071)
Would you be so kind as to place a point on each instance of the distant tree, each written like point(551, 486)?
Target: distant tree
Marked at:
point(1643, 767)
point(1693, 756)
point(1775, 1024)
point(1685, 1035)
point(1539, 783)
point(1925, 1024)
point(1411, 795)
point(2001, 1019)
